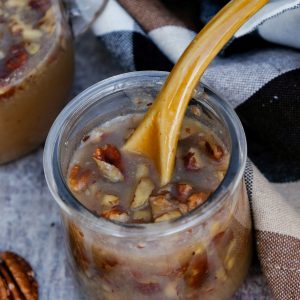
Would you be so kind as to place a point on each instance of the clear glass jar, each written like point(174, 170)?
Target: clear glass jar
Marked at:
point(36, 68)
point(202, 255)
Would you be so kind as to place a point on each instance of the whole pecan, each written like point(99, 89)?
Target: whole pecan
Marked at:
point(16, 278)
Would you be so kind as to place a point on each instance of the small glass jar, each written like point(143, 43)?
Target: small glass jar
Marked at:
point(202, 255)
point(36, 68)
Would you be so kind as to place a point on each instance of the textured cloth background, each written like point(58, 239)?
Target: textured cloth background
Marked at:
point(259, 74)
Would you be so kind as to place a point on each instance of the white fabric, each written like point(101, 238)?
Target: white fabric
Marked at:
point(272, 9)
point(172, 40)
point(114, 18)
point(284, 29)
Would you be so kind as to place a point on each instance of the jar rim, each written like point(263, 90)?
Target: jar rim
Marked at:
point(71, 206)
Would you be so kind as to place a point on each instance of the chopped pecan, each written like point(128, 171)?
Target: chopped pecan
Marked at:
point(142, 216)
point(17, 58)
point(183, 208)
point(196, 110)
point(78, 179)
point(32, 48)
point(192, 160)
point(108, 159)
point(109, 200)
point(30, 35)
point(197, 269)
point(214, 150)
point(115, 213)
point(104, 261)
point(160, 205)
point(171, 215)
point(167, 190)
point(109, 154)
point(77, 246)
point(183, 191)
point(142, 193)
point(190, 127)
point(17, 277)
point(196, 199)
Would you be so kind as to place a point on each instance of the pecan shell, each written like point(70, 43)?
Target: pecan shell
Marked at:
point(17, 279)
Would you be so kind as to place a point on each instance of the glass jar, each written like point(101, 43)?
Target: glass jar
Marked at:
point(36, 71)
point(202, 255)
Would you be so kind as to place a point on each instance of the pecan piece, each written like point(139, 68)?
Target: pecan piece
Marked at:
point(17, 275)
point(214, 150)
point(196, 199)
point(109, 200)
point(167, 190)
point(183, 191)
point(77, 246)
point(78, 179)
point(115, 213)
point(108, 159)
point(142, 216)
point(183, 208)
point(160, 205)
point(192, 160)
point(197, 269)
point(171, 215)
point(104, 261)
point(142, 193)
point(17, 58)
point(110, 154)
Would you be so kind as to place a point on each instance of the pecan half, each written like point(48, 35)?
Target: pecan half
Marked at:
point(108, 159)
point(4, 291)
point(16, 278)
point(196, 199)
point(192, 160)
point(110, 154)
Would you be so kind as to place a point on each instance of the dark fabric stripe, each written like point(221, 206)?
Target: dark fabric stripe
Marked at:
point(147, 56)
point(135, 51)
point(271, 118)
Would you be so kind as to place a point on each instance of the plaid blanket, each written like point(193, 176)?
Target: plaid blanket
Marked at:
point(258, 72)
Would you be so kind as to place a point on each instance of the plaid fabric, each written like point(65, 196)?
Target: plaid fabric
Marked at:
point(259, 74)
